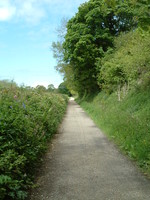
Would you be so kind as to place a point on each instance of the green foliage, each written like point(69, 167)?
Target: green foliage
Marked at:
point(62, 88)
point(141, 11)
point(126, 122)
point(90, 33)
point(51, 88)
point(129, 63)
point(89, 43)
point(28, 118)
point(40, 88)
point(7, 84)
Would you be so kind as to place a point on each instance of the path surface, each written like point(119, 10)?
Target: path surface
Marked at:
point(84, 165)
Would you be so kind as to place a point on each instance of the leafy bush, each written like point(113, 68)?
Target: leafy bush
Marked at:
point(128, 63)
point(28, 118)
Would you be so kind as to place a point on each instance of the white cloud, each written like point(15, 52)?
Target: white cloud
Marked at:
point(35, 10)
point(63, 7)
point(6, 10)
point(30, 10)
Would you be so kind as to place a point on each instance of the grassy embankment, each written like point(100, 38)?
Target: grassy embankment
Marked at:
point(28, 119)
point(126, 122)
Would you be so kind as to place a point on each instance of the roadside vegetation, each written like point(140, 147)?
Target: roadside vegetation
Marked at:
point(28, 119)
point(105, 59)
point(127, 122)
point(104, 54)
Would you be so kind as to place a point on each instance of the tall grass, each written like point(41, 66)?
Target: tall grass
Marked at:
point(126, 122)
point(28, 119)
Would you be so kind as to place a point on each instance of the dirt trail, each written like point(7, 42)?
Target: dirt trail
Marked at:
point(84, 165)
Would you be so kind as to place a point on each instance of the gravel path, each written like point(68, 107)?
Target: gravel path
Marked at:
point(83, 165)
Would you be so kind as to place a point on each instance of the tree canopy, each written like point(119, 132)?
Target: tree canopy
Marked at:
point(62, 88)
point(90, 37)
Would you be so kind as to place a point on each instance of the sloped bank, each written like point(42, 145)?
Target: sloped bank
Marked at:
point(127, 122)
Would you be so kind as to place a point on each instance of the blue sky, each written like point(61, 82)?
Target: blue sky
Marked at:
point(27, 29)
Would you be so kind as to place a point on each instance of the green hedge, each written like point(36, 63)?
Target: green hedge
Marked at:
point(28, 119)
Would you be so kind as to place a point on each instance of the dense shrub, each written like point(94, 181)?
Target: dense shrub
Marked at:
point(28, 118)
point(128, 63)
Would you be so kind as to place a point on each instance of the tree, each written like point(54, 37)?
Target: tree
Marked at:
point(51, 88)
point(57, 47)
point(62, 88)
point(90, 34)
point(40, 88)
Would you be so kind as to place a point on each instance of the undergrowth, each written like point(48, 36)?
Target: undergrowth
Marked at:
point(28, 119)
point(126, 122)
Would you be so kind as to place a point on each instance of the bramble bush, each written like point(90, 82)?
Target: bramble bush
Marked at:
point(28, 119)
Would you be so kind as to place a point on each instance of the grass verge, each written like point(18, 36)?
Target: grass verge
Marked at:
point(126, 122)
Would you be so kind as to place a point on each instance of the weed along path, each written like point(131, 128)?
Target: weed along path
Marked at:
point(83, 165)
